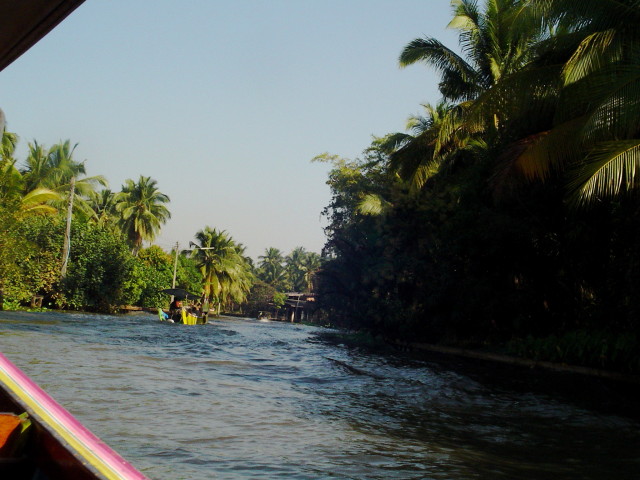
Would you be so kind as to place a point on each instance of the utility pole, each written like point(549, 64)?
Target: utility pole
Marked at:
point(67, 234)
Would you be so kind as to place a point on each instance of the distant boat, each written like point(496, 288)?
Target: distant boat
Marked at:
point(40, 439)
point(264, 317)
point(183, 317)
point(199, 316)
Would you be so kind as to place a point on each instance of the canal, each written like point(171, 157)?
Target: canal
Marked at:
point(242, 399)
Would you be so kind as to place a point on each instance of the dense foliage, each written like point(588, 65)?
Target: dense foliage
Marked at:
point(49, 195)
point(288, 273)
point(107, 265)
point(507, 215)
point(260, 299)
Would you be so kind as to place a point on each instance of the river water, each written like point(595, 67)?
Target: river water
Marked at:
point(242, 399)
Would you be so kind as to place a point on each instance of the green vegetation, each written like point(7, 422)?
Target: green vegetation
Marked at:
point(142, 210)
point(102, 272)
point(294, 272)
point(291, 273)
point(51, 214)
point(226, 271)
point(508, 215)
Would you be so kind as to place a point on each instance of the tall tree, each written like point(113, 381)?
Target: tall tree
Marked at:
point(8, 145)
point(301, 267)
point(272, 269)
point(142, 209)
point(295, 265)
point(103, 207)
point(56, 170)
point(226, 273)
point(418, 155)
point(594, 135)
point(311, 267)
point(14, 186)
point(495, 41)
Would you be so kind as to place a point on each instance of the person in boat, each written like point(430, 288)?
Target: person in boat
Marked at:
point(195, 311)
point(175, 310)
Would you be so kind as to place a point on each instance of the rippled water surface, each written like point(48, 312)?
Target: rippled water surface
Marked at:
point(242, 399)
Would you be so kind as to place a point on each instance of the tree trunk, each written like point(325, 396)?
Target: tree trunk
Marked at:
point(67, 234)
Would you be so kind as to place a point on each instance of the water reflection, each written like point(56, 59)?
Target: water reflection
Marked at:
point(242, 399)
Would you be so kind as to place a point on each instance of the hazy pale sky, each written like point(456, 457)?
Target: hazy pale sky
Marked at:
point(224, 103)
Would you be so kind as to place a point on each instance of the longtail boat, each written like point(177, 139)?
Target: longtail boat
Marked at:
point(41, 440)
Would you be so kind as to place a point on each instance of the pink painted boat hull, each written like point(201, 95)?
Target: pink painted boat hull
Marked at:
point(59, 445)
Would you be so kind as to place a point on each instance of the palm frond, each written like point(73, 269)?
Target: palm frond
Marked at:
point(527, 96)
point(38, 202)
point(610, 168)
point(435, 54)
point(372, 204)
point(616, 93)
point(594, 52)
point(392, 142)
point(537, 156)
point(593, 14)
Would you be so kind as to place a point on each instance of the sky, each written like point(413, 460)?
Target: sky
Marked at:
point(224, 103)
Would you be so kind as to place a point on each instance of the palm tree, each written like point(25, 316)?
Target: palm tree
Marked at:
point(296, 268)
point(225, 270)
point(55, 167)
point(271, 268)
point(496, 44)
point(103, 207)
point(37, 201)
point(11, 181)
point(418, 155)
point(594, 137)
point(8, 145)
point(56, 170)
point(13, 185)
point(301, 266)
point(312, 264)
point(142, 209)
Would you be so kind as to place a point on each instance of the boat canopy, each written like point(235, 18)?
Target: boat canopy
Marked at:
point(23, 23)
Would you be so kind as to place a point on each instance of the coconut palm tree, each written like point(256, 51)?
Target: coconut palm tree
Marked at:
point(594, 136)
point(495, 42)
point(103, 205)
point(418, 155)
point(12, 183)
point(312, 264)
point(272, 269)
point(8, 145)
point(142, 209)
point(295, 265)
point(37, 201)
point(56, 170)
point(301, 267)
point(225, 270)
